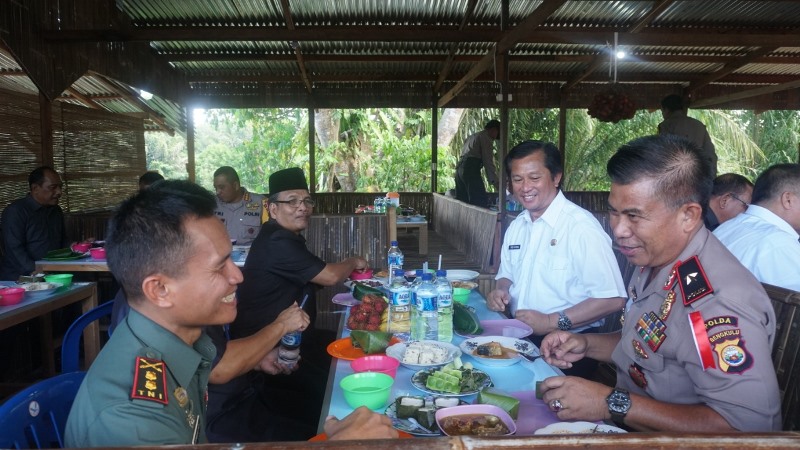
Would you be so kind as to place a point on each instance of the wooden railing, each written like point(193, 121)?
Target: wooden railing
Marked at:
point(468, 228)
point(786, 352)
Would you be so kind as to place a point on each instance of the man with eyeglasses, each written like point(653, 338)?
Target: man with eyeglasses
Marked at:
point(279, 271)
point(730, 197)
point(765, 237)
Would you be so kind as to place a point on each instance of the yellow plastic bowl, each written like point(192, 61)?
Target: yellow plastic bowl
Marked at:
point(461, 295)
point(370, 389)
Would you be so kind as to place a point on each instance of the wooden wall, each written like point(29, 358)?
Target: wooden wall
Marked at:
point(468, 228)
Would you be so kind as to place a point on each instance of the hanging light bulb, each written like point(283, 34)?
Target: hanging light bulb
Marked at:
point(621, 54)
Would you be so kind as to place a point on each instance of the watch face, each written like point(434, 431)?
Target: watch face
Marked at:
point(619, 402)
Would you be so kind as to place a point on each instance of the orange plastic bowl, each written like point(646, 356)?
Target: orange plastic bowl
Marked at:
point(11, 296)
point(375, 363)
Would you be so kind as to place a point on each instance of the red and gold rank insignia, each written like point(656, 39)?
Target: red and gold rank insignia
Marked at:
point(149, 381)
point(733, 356)
point(693, 281)
point(637, 375)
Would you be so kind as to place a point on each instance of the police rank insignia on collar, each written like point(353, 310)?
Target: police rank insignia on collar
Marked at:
point(693, 281)
point(149, 381)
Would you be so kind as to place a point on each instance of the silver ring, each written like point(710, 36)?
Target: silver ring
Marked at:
point(556, 405)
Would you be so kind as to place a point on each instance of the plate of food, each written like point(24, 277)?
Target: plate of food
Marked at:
point(578, 428)
point(464, 284)
point(461, 275)
point(344, 349)
point(422, 409)
point(497, 350)
point(39, 289)
point(418, 355)
point(441, 382)
point(500, 327)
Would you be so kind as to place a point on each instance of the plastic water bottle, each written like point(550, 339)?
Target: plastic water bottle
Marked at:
point(399, 304)
point(425, 315)
point(444, 304)
point(394, 260)
point(289, 351)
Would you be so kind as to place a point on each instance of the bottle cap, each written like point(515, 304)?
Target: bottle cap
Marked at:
point(427, 276)
point(394, 244)
point(441, 274)
point(399, 272)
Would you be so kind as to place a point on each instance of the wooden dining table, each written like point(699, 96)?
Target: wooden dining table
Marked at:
point(518, 380)
point(40, 306)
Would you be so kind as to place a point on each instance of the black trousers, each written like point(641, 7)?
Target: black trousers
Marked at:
point(469, 182)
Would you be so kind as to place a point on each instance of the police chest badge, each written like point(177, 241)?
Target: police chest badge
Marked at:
point(149, 381)
point(693, 281)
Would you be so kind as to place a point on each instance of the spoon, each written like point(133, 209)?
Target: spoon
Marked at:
point(419, 425)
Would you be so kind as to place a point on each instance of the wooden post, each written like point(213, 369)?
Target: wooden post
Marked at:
point(46, 130)
point(190, 167)
point(562, 130)
point(312, 152)
point(434, 145)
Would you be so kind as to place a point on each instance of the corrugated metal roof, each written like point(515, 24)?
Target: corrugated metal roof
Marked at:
point(249, 48)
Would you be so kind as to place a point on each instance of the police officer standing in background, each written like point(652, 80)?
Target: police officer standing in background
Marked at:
point(241, 211)
point(477, 152)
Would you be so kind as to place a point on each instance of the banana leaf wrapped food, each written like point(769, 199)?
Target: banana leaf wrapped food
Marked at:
point(501, 399)
point(370, 341)
point(465, 321)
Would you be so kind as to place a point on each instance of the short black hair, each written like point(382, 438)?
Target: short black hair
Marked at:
point(229, 172)
point(492, 124)
point(147, 232)
point(776, 180)
point(150, 177)
point(37, 175)
point(681, 175)
point(552, 156)
point(732, 183)
point(673, 102)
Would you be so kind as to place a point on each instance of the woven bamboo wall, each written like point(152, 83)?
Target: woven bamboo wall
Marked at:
point(468, 228)
point(99, 155)
point(336, 237)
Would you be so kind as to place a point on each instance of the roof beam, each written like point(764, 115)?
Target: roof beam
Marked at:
point(301, 65)
point(703, 37)
point(730, 67)
point(82, 98)
point(444, 71)
point(702, 103)
point(125, 92)
point(507, 40)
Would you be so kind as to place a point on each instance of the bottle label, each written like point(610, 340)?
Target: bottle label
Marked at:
point(291, 340)
point(445, 300)
point(400, 297)
point(426, 302)
point(396, 261)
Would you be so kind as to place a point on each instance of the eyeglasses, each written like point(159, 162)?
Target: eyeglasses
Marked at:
point(295, 202)
point(733, 196)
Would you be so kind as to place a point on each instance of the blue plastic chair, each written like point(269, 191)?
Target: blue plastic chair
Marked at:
point(70, 345)
point(37, 416)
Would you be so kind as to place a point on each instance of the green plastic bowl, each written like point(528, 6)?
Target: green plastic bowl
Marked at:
point(64, 279)
point(460, 295)
point(370, 389)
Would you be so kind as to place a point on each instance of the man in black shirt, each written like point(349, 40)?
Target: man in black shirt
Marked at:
point(33, 225)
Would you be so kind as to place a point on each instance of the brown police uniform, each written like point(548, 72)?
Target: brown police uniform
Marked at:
point(243, 219)
point(706, 297)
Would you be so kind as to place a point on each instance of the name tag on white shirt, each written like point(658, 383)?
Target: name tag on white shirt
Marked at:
point(514, 247)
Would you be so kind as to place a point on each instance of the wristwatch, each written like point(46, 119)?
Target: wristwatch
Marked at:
point(619, 402)
point(563, 321)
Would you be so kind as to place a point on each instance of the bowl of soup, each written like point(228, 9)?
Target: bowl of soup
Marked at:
point(475, 420)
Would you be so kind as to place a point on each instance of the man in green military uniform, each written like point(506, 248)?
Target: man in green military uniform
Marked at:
point(241, 211)
point(149, 384)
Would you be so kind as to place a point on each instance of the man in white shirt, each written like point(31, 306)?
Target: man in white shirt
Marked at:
point(557, 268)
point(765, 237)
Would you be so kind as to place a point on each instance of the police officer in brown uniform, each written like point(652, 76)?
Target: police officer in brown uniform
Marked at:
point(694, 352)
point(241, 211)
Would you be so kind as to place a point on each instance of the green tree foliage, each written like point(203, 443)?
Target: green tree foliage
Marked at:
point(389, 149)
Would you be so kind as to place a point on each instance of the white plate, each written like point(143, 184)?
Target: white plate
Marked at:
point(397, 351)
point(469, 346)
point(462, 275)
point(578, 428)
point(40, 292)
point(501, 327)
